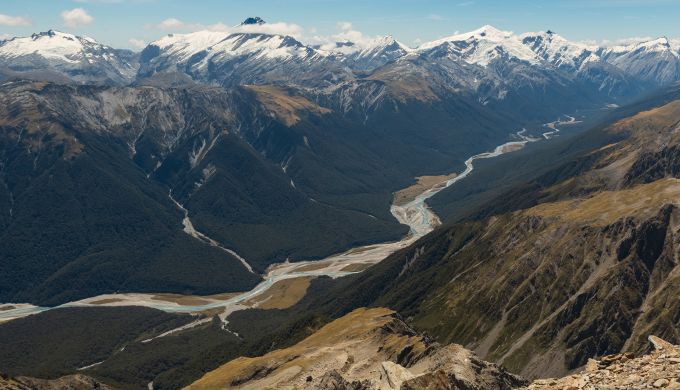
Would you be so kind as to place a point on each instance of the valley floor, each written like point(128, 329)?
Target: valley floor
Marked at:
point(409, 208)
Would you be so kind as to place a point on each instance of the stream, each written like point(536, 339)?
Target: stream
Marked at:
point(415, 214)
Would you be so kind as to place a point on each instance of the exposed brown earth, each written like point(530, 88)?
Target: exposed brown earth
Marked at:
point(105, 301)
point(366, 349)
point(285, 107)
point(311, 267)
point(181, 299)
point(282, 294)
point(408, 194)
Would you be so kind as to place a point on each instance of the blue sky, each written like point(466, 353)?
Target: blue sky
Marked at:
point(130, 23)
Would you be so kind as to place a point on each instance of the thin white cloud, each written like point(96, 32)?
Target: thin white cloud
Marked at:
point(173, 24)
point(616, 42)
point(76, 17)
point(632, 40)
point(176, 25)
point(5, 36)
point(280, 28)
point(347, 33)
point(137, 43)
point(345, 25)
point(7, 20)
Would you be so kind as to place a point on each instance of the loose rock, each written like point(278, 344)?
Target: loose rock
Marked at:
point(658, 370)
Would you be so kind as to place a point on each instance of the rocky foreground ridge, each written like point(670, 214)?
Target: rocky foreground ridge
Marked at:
point(366, 349)
point(69, 382)
point(375, 349)
point(658, 370)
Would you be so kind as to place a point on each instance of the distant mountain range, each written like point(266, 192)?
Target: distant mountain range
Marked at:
point(239, 57)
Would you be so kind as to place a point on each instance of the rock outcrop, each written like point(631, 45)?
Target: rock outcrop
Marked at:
point(366, 349)
point(69, 382)
point(658, 370)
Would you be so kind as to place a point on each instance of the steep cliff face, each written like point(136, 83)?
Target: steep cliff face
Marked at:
point(543, 289)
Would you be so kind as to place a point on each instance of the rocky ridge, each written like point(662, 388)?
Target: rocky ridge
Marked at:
point(493, 66)
point(658, 370)
point(369, 348)
point(70, 382)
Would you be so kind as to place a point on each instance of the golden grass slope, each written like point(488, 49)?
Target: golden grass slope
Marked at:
point(354, 345)
point(285, 107)
point(423, 183)
point(24, 118)
point(606, 207)
point(654, 121)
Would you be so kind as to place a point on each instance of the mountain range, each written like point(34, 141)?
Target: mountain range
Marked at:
point(240, 57)
point(250, 134)
point(489, 67)
point(195, 170)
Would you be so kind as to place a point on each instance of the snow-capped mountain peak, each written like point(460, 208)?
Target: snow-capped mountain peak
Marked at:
point(661, 45)
point(236, 56)
point(559, 51)
point(487, 32)
point(378, 45)
point(262, 45)
point(375, 52)
point(183, 46)
point(254, 52)
point(53, 45)
point(366, 54)
point(483, 45)
point(66, 55)
point(240, 40)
